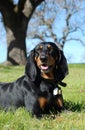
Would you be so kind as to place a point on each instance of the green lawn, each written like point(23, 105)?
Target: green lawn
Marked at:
point(74, 96)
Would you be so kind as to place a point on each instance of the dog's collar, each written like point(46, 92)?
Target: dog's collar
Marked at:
point(56, 83)
point(56, 89)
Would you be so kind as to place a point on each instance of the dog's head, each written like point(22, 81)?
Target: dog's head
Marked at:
point(47, 60)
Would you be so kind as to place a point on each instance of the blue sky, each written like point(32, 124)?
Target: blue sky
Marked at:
point(74, 51)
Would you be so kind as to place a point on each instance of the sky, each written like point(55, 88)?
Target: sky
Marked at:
point(74, 51)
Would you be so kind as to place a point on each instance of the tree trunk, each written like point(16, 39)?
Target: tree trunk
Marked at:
point(16, 47)
point(16, 18)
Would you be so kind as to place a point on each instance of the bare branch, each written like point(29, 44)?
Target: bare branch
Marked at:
point(76, 39)
point(71, 23)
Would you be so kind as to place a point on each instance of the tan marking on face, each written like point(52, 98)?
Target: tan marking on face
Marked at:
point(42, 101)
point(38, 61)
point(40, 46)
point(49, 46)
point(50, 62)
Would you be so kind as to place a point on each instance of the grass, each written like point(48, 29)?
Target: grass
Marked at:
point(74, 96)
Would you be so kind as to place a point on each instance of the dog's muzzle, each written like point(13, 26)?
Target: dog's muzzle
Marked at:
point(44, 67)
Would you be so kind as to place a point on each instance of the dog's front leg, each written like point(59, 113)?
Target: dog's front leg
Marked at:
point(58, 99)
point(32, 104)
point(37, 111)
point(39, 106)
point(59, 102)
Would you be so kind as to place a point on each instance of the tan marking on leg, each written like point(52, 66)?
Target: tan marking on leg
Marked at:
point(60, 101)
point(42, 101)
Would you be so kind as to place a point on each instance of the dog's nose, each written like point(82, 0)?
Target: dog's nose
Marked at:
point(43, 58)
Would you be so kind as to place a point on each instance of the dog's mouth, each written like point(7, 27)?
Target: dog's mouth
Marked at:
point(45, 68)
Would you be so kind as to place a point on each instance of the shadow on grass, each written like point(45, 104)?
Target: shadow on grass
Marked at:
point(72, 106)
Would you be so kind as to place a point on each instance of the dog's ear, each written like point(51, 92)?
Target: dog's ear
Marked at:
point(31, 70)
point(61, 67)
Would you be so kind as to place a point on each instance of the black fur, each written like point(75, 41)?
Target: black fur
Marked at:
point(26, 90)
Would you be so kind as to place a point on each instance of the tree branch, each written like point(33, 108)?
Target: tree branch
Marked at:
point(7, 10)
point(36, 2)
point(76, 39)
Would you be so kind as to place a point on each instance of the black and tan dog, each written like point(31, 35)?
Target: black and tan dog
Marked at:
point(38, 89)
